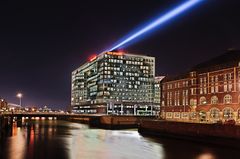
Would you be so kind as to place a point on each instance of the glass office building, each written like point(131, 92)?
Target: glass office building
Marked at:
point(116, 83)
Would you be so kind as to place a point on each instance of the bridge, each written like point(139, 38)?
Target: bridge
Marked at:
point(99, 120)
point(47, 114)
point(7, 118)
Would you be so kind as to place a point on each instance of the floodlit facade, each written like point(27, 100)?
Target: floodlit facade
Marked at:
point(116, 83)
point(208, 93)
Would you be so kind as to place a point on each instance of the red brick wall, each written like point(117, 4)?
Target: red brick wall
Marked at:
point(191, 129)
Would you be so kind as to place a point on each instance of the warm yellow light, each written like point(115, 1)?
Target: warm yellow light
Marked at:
point(115, 53)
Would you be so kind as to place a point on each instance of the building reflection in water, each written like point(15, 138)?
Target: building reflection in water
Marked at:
point(42, 139)
point(41, 142)
point(34, 140)
point(104, 144)
point(16, 144)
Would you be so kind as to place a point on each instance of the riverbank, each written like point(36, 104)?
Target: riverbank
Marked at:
point(112, 122)
point(226, 135)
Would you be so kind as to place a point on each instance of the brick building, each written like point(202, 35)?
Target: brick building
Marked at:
point(207, 93)
point(3, 104)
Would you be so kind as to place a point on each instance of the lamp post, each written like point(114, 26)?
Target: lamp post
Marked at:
point(20, 95)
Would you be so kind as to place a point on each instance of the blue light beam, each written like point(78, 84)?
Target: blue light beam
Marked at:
point(159, 21)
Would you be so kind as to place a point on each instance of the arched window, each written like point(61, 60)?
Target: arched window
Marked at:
point(214, 100)
point(227, 99)
point(214, 113)
point(193, 102)
point(202, 115)
point(228, 113)
point(202, 100)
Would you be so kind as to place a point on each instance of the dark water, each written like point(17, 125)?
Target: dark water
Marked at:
point(60, 140)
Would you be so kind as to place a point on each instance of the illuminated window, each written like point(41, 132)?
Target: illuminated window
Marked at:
point(228, 113)
point(178, 100)
point(214, 100)
point(216, 88)
point(225, 77)
point(163, 104)
point(212, 89)
point(170, 98)
point(212, 79)
point(193, 102)
point(214, 113)
point(193, 91)
point(169, 115)
point(176, 115)
point(229, 76)
point(205, 79)
point(205, 90)
point(227, 99)
point(203, 100)
point(201, 90)
point(225, 87)
point(179, 84)
point(201, 80)
point(175, 98)
point(230, 86)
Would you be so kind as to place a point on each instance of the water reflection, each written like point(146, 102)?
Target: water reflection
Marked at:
point(43, 139)
point(112, 144)
point(16, 145)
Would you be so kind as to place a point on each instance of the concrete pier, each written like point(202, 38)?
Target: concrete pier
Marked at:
point(19, 121)
point(6, 123)
point(209, 133)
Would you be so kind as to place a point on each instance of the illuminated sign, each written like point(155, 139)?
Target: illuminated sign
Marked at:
point(115, 53)
point(92, 57)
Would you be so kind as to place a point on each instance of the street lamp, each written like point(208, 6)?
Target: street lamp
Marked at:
point(20, 95)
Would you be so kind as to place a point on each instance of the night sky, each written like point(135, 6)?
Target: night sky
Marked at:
point(42, 42)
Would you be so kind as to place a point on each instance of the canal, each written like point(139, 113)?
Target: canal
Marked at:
point(42, 139)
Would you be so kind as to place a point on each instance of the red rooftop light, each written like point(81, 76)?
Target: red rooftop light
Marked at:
point(92, 57)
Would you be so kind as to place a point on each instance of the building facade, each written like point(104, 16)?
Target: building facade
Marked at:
point(3, 104)
point(116, 83)
point(207, 93)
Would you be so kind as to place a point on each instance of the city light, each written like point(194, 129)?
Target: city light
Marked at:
point(20, 95)
point(115, 53)
point(157, 22)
